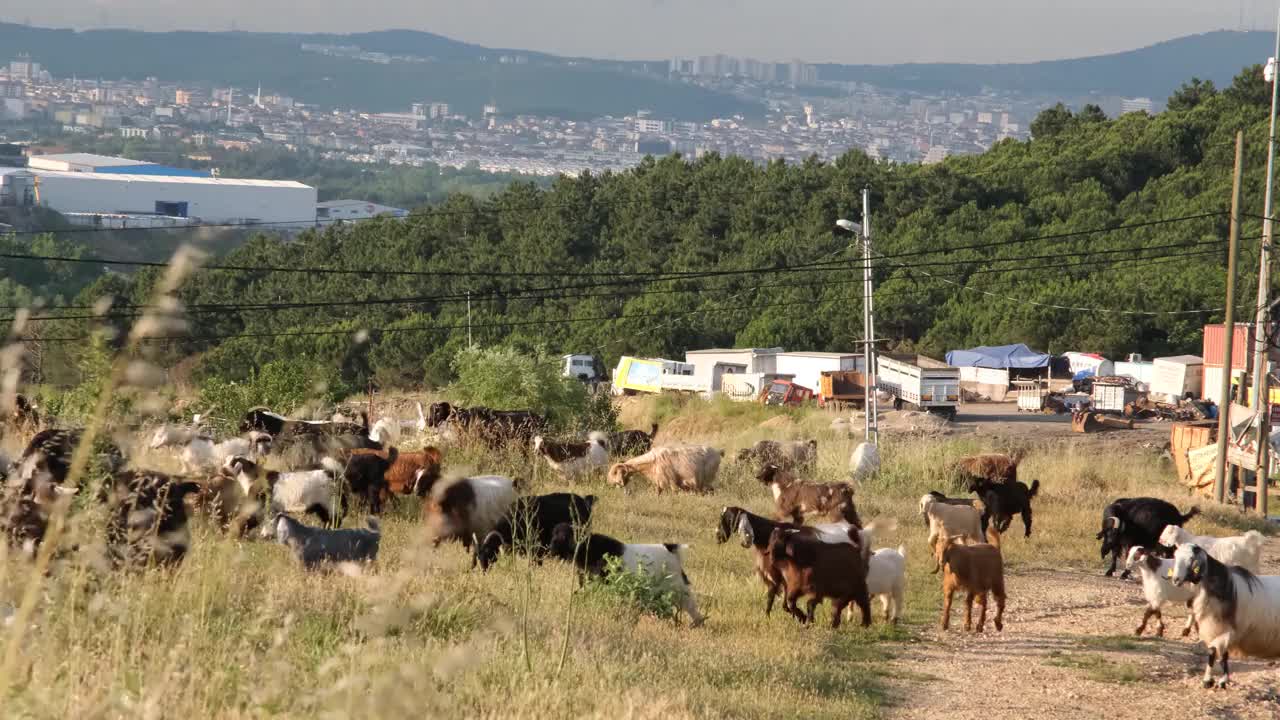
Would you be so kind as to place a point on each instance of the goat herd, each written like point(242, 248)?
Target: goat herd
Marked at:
point(1233, 608)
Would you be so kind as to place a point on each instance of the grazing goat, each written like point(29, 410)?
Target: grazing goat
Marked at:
point(148, 519)
point(466, 509)
point(1241, 550)
point(52, 450)
point(225, 502)
point(298, 493)
point(325, 435)
point(629, 443)
point(26, 502)
point(786, 454)
point(796, 499)
point(1002, 500)
point(756, 531)
point(386, 431)
point(946, 520)
point(820, 571)
point(318, 547)
point(412, 473)
point(496, 427)
point(1234, 609)
point(572, 460)
point(1137, 521)
point(976, 569)
point(992, 467)
point(1158, 589)
point(365, 476)
point(527, 528)
point(691, 467)
point(24, 416)
point(662, 561)
point(949, 500)
point(199, 451)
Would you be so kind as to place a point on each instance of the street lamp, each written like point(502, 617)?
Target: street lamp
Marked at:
point(849, 226)
point(863, 230)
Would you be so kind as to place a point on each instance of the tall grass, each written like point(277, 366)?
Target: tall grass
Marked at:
point(239, 631)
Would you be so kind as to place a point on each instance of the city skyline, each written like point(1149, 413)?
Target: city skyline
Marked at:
point(814, 30)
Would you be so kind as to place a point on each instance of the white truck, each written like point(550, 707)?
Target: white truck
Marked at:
point(920, 382)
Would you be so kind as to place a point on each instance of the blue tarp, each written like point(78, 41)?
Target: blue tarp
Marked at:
point(1001, 358)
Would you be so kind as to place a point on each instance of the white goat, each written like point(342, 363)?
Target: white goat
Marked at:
point(1158, 589)
point(691, 467)
point(946, 521)
point(887, 580)
point(1235, 609)
point(199, 451)
point(387, 430)
point(1242, 550)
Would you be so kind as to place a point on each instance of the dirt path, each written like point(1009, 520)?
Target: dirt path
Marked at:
point(1068, 651)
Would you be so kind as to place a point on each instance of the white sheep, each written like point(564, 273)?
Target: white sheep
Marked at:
point(1242, 550)
point(690, 467)
point(1157, 588)
point(1234, 609)
point(947, 521)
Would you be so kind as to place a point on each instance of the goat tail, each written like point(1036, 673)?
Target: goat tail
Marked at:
point(332, 465)
point(374, 524)
point(392, 454)
point(653, 431)
point(1035, 488)
point(1254, 539)
point(364, 421)
point(1195, 510)
point(902, 550)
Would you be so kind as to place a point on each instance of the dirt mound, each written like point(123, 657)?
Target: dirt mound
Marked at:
point(912, 421)
point(779, 422)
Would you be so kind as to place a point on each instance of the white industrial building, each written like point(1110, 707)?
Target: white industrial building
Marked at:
point(334, 210)
point(202, 199)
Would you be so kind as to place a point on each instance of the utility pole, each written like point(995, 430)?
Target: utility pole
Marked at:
point(1261, 377)
point(469, 343)
point(871, 425)
point(1229, 327)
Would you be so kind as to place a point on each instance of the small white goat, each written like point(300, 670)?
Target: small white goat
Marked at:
point(1242, 550)
point(887, 580)
point(1158, 590)
point(199, 451)
point(387, 430)
point(947, 521)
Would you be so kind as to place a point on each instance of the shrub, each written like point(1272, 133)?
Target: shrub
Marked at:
point(504, 378)
point(283, 386)
point(639, 590)
point(76, 404)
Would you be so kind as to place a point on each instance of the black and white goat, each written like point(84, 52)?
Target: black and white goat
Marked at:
point(1127, 522)
point(529, 525)
point(297, 493)
point(590, 554)
point(1235, 609)
point(317, 547)
point(466, 509)
point(1158, 589)
point(572, 459)
point(52, 451)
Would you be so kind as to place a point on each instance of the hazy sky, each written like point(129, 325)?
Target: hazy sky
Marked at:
point(850, 31)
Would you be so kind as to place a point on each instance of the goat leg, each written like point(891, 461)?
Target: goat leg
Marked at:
point(863, 601)
point(813, 609)
point(982, 611)
point(1026, 521)
point(1146, 615)
point(1226, 672)
point(1191, 621)
point(946, 608)
point(999, 618)
point(771, 594)
point(1208, 667)
point(837, 610)
point(968, 611)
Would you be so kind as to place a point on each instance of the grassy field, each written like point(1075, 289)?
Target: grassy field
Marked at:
point(239, 631)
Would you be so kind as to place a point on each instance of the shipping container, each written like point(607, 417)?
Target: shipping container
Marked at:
point(1112, 397)
point(1215, 346)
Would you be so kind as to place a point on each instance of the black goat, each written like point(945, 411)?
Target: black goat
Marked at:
point(1128, 522)
point(1002, 500)
point(148, 522)
point(365, 476)
point(630, 443)
point(528, 527)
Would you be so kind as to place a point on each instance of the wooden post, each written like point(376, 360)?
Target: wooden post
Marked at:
point(1229, 325)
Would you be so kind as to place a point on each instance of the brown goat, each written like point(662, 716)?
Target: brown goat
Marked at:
point(976, 569)
point(222, 498)
point(795, 499)
point(401, 477)
point(819, 570)
point(992, 467)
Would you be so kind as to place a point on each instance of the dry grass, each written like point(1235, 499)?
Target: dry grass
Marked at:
point(240, 631)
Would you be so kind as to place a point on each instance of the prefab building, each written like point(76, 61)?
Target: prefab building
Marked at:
point(207, 199)
point(709, 365)
point(807, 367)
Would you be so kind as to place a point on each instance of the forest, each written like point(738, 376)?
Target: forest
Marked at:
point(1102, 235)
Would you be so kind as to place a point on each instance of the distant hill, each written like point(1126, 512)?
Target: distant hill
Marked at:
point(1154, 71)
point(459, 77)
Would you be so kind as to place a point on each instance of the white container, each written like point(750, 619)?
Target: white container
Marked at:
point(1211, 388)
point(1173, 377)
point(807, 367)
point(926, 383)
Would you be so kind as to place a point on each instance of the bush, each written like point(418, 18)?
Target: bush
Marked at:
point(640, 590)
point(503, 378)
point(76, 404)
point(284, 386)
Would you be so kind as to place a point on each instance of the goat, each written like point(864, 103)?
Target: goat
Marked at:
point(1136, 521)
point(946, 520)
point(365, 476)
point(316, 547)
point(24, 415)
point(992, 467)
point(820, 571)
point(1158, 589)
point(386, 431)
point(691, 467)
point(412, 473)
point(786, 454)
point(662, 561)
point(756, 531)
point(949, 501)
point(53, 450)
point(1234, 609)
point(795, 499)
point(629, 443)
point(223, 499)
point(1241, 550)
point(199, 452)
point(887, 580)
point(299, 492)
point(148, 519)
point(528, 527)
point(572, 460)
point(976, 569)
point(466, 509)
point(496, 427)
point(1002, 500)
point(26, 503)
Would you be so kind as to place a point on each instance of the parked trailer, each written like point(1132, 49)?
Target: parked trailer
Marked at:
point(1110, 396)
point(837, 389)
point(920, 382)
